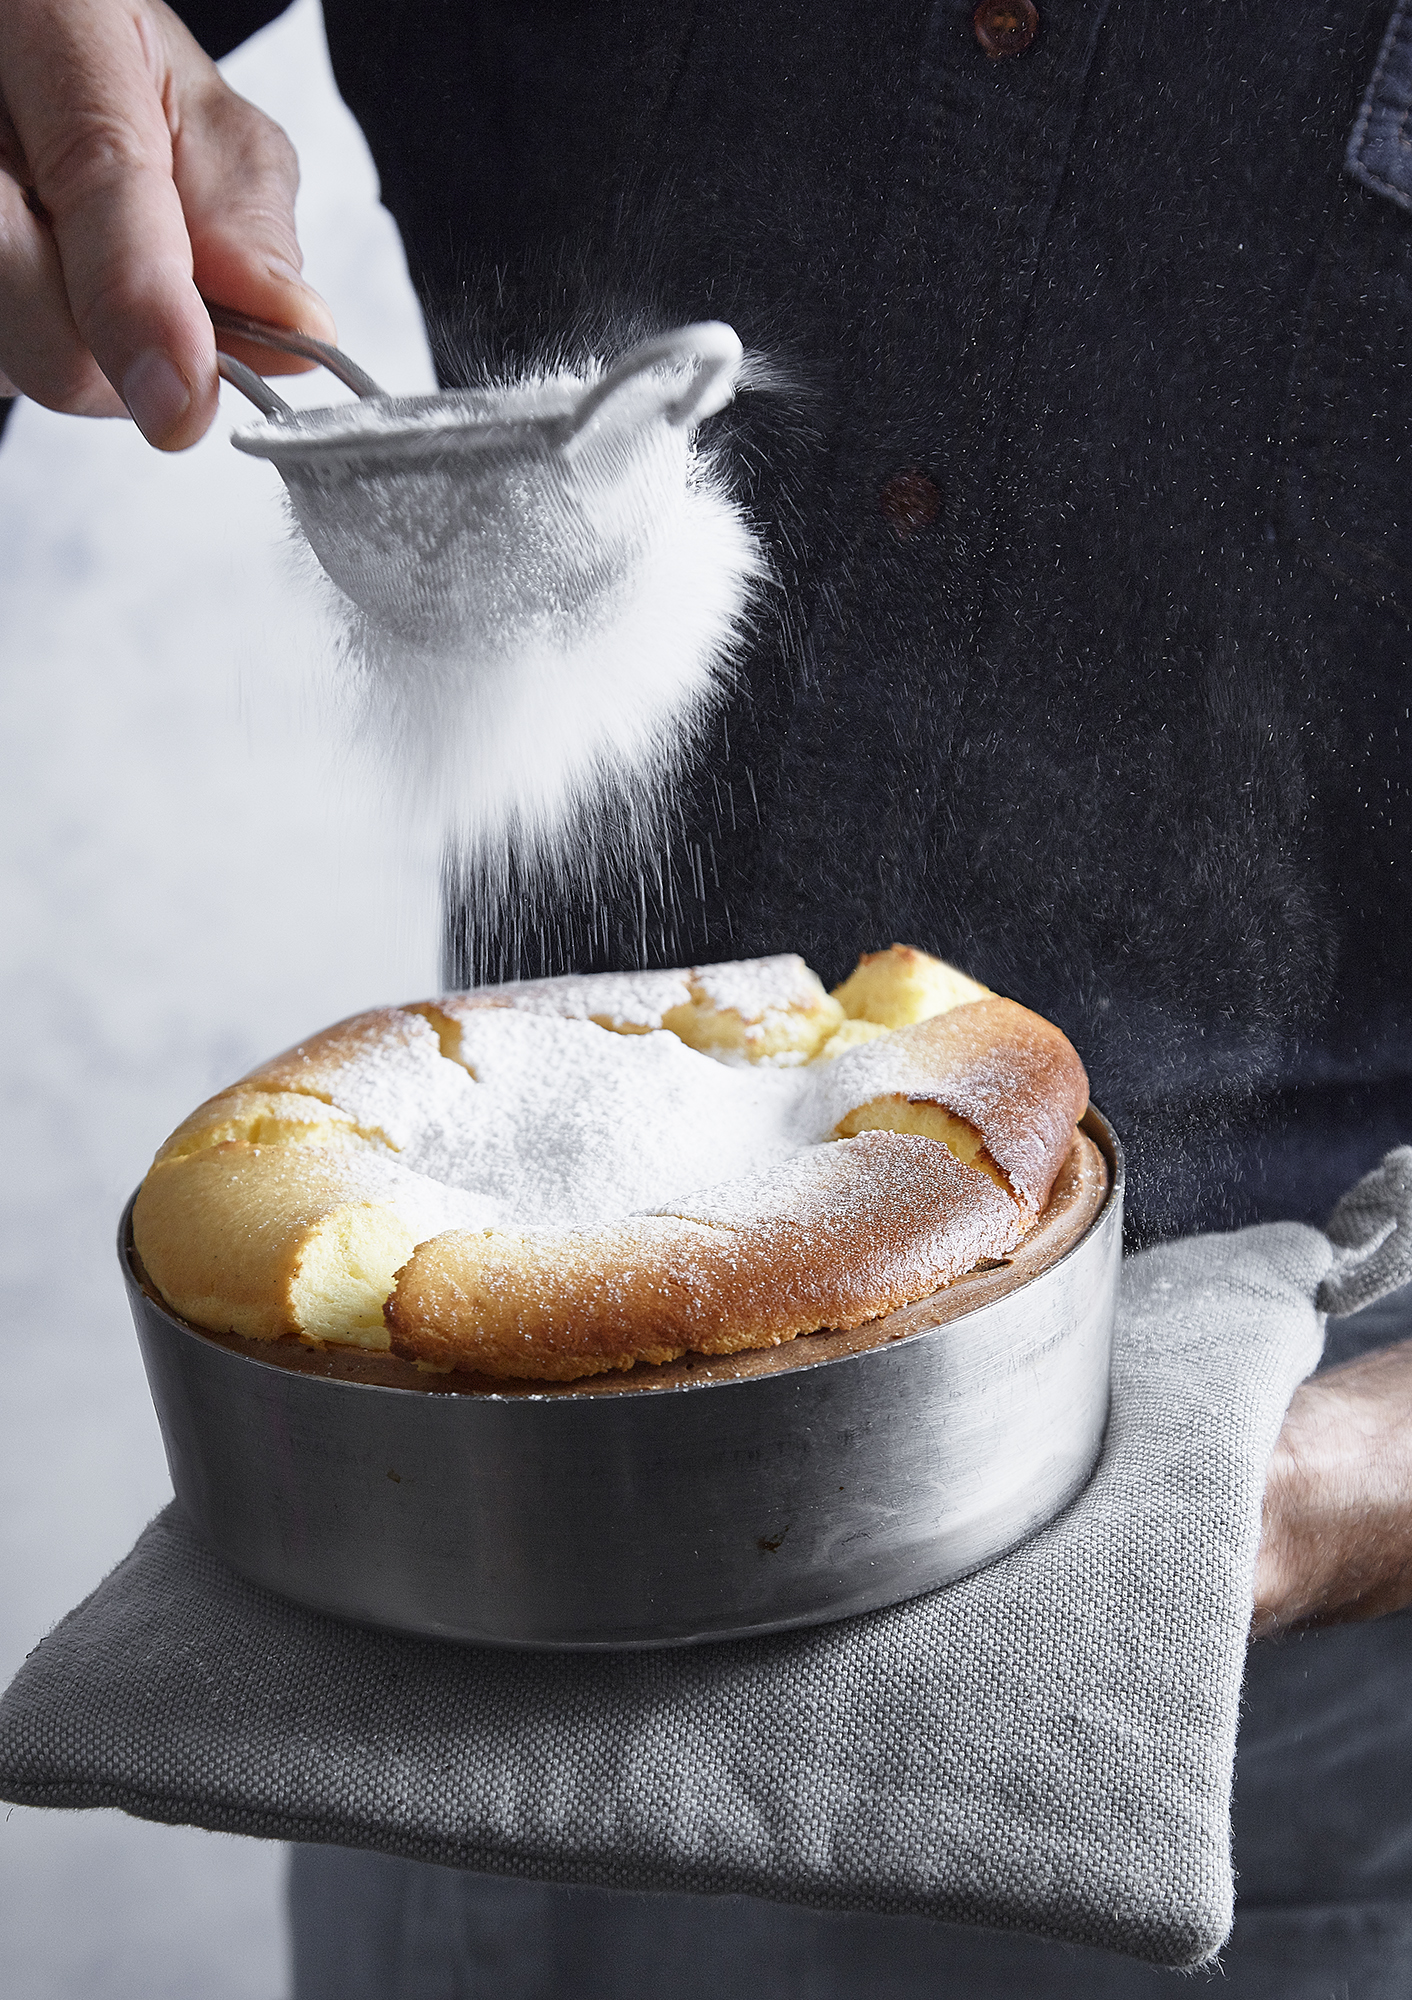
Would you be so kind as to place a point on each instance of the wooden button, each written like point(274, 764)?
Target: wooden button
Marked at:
point(909, 501)
point(1005, 27)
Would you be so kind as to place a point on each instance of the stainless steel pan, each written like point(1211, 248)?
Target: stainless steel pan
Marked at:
point(705, 1501)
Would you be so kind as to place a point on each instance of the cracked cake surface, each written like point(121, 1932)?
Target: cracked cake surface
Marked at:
point(553, 1178)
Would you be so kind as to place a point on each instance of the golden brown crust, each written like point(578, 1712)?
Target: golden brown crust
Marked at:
point(267, 1241)
point(836, 1236)
point(282, 1208)
point(261, 1117)
point(317, 1064)
point(221, 1231)
point(1078, 1197)
point(760, 1011)
point(1009, 1074)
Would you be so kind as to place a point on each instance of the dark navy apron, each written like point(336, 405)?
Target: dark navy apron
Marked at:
point(1087, 479)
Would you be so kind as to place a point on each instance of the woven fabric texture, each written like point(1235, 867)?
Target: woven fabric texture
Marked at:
point(1371, 1231)
point(1380, 145)
point(1046, 1746)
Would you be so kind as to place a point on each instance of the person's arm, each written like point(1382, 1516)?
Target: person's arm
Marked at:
point(132, 180)
point(1337, 1541)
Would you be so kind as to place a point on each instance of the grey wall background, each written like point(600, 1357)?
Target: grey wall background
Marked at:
point(195, 873)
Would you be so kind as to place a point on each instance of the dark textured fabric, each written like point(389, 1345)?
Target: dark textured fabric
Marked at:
point(1324, 1768)
point(1125, 729)
point(222, 25)
point(1380, 149)
point(1045, 1746)
point(1347, 492)
point(368, 1927)
point(1120, 730)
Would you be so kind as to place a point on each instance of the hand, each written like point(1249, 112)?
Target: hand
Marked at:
point(131, 181)
point(1337, 1540)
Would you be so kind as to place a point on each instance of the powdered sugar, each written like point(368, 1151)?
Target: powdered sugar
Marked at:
point(890, 1066)
point(619, 999)
point(541, 586)
point(751, 987)
point(545, 1119)
point(1008, 1074)
point(871, 1199)
point(386, 1070)
point(569, 1124)
point(423, 1202)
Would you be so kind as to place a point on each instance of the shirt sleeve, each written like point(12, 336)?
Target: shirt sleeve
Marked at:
point(222, 25)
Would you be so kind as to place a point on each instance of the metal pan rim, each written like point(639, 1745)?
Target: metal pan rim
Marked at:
point(1093, 1123)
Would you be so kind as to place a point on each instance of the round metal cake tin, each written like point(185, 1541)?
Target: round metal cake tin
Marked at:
point(708, 1509)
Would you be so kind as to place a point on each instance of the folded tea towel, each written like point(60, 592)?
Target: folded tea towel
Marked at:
point(1046, 1746)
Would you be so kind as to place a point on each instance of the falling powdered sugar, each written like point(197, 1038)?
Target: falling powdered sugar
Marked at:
point(540, 588)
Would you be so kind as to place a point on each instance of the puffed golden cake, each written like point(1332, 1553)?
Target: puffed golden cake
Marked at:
point(554, 1178)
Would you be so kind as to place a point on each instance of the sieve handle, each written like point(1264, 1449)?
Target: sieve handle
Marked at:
point(289, 340)
point(252, 386)
point(711, 349)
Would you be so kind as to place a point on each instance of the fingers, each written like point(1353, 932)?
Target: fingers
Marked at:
point(44, 355)
point(86, 85)
point(42, 346)
point(237, 176)
point(158, 183)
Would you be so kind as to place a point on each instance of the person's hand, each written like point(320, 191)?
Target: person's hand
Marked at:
point(132, 180)
point(1337, 1540)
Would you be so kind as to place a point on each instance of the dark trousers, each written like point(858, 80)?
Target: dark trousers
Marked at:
point(367, 1927)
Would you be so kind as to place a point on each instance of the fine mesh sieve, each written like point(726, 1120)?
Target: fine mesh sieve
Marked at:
point(519, 512)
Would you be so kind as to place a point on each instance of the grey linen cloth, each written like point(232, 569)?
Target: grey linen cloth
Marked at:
point(1044, 1747)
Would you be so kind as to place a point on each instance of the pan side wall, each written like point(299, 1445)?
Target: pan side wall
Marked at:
point(653, 1519)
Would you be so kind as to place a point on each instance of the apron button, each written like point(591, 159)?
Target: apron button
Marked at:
point(1005, 27)
point(908, 501)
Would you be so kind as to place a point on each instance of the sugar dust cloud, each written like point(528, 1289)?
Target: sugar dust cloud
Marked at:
point(540, 639)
